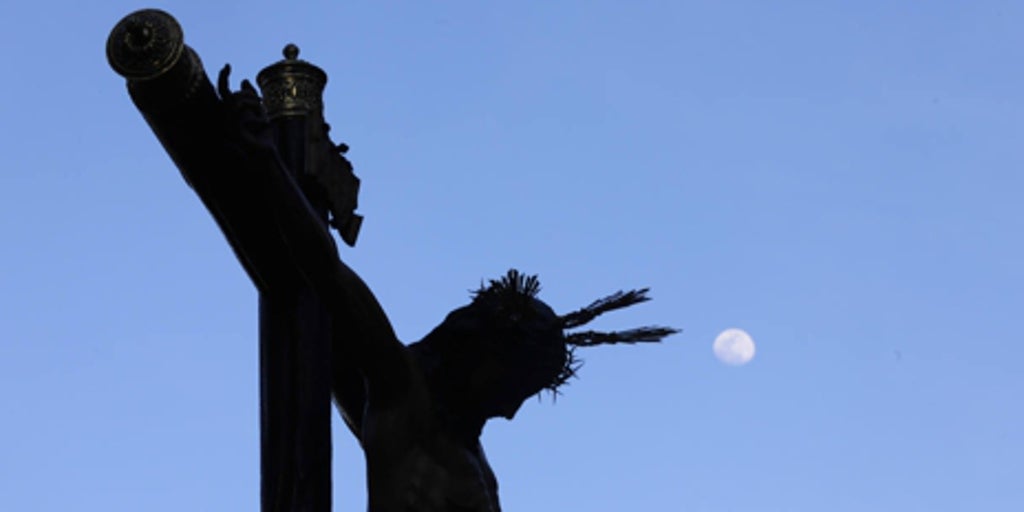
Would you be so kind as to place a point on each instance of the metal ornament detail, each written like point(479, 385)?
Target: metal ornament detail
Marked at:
point(341, 189)
point(148, 49)
point(292, 86)
point(292, 92)
point(145, 44)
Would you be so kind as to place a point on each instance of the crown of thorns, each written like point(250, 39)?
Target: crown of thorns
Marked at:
point(515, 290)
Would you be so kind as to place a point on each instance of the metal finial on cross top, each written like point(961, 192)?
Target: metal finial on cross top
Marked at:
point(293, 97)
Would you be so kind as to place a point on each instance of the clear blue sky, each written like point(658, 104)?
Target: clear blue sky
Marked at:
point(841, 179)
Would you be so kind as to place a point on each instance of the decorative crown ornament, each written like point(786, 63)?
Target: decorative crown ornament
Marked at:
point(292, 86)
point(293, 89)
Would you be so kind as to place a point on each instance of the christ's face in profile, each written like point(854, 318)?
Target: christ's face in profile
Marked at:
point(497, 389)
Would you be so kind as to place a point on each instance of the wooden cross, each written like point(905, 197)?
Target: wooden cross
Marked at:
point(274, 199)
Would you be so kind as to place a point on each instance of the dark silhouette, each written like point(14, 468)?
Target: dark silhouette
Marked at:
point(429, 401)
point(417, 410)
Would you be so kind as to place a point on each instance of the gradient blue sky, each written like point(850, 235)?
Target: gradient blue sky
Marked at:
point(840, 179)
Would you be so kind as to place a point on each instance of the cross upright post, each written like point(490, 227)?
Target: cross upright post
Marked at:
point(295, 329)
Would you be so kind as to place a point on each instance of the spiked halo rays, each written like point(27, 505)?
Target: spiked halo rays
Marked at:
point(617, 300)
point(515, 287)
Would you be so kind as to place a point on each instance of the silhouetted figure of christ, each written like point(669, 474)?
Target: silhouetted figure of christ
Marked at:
point(418, 410)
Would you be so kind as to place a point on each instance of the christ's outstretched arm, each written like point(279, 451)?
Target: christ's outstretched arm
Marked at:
point(366, 351)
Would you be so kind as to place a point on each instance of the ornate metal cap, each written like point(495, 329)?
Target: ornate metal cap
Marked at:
point(292, 86)
point(145, 44)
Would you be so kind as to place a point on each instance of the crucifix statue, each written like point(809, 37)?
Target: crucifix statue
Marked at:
point(266, 169)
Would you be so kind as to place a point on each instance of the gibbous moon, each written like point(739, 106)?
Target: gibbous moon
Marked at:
point(734, 347)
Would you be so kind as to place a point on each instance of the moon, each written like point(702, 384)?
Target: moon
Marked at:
point(734, 347)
